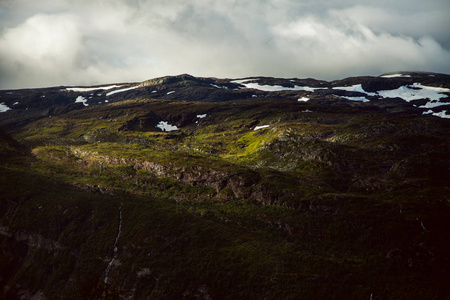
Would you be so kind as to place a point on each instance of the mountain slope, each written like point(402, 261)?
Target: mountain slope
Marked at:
point(185, 187)
point(428, 92)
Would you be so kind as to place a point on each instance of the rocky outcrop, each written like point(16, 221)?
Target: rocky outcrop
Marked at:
point(241, 184)
point(32, 240)
point(35, 240)
point(194, 175)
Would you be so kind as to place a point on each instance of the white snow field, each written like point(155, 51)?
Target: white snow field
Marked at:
point(261, 127)
point(4, 107)
point(394, 75)
point(81, 99)
point(90, 89)
point(361, 99)
point(354, 88)
point(272, 88)
point(441, 114)
point(415, 92)
point(164, 126)
point(121, 90)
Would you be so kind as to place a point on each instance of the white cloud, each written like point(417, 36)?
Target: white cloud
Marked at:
point(342, 46)
point(43, 45)
point(68, 42)
point(420, 19)
point(71, 48)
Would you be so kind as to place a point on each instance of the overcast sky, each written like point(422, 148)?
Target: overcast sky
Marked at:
point(86, 42)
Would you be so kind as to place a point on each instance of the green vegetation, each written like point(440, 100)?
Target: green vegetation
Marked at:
point(336, 204)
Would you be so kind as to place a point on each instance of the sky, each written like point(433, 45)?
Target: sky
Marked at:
point(86, 42)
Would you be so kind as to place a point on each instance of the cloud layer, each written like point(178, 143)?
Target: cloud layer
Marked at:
point(84, 42)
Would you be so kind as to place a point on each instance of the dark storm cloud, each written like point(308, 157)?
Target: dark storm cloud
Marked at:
point(70, 42)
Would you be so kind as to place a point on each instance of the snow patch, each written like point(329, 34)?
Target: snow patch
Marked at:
point(408, 93)
point(361, 99)
point(416, 92)
point(202, 116)
point(15, 103)
point(303, 99)
point(81, 99)
point(354, 88)
point(219, 87)
point(441, 114)
point(241, 81)
point(4, 107)
point(433, 104)
point(261, 127)
point(90, 89)
point(171, 92)
point(394, 75)
point(164, 126)
point(122, 90)
point(272, 88)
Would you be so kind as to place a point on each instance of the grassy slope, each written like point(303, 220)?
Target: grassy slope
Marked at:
point(356, 229)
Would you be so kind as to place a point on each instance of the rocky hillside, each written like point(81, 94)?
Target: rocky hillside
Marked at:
point(184, 187)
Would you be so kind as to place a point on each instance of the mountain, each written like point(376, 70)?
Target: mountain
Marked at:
point(183, 187)
point(392, 92)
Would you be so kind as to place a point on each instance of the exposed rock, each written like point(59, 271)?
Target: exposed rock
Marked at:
point(38, 241)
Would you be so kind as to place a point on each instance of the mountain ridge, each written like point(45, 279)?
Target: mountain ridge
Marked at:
point(51, 101)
